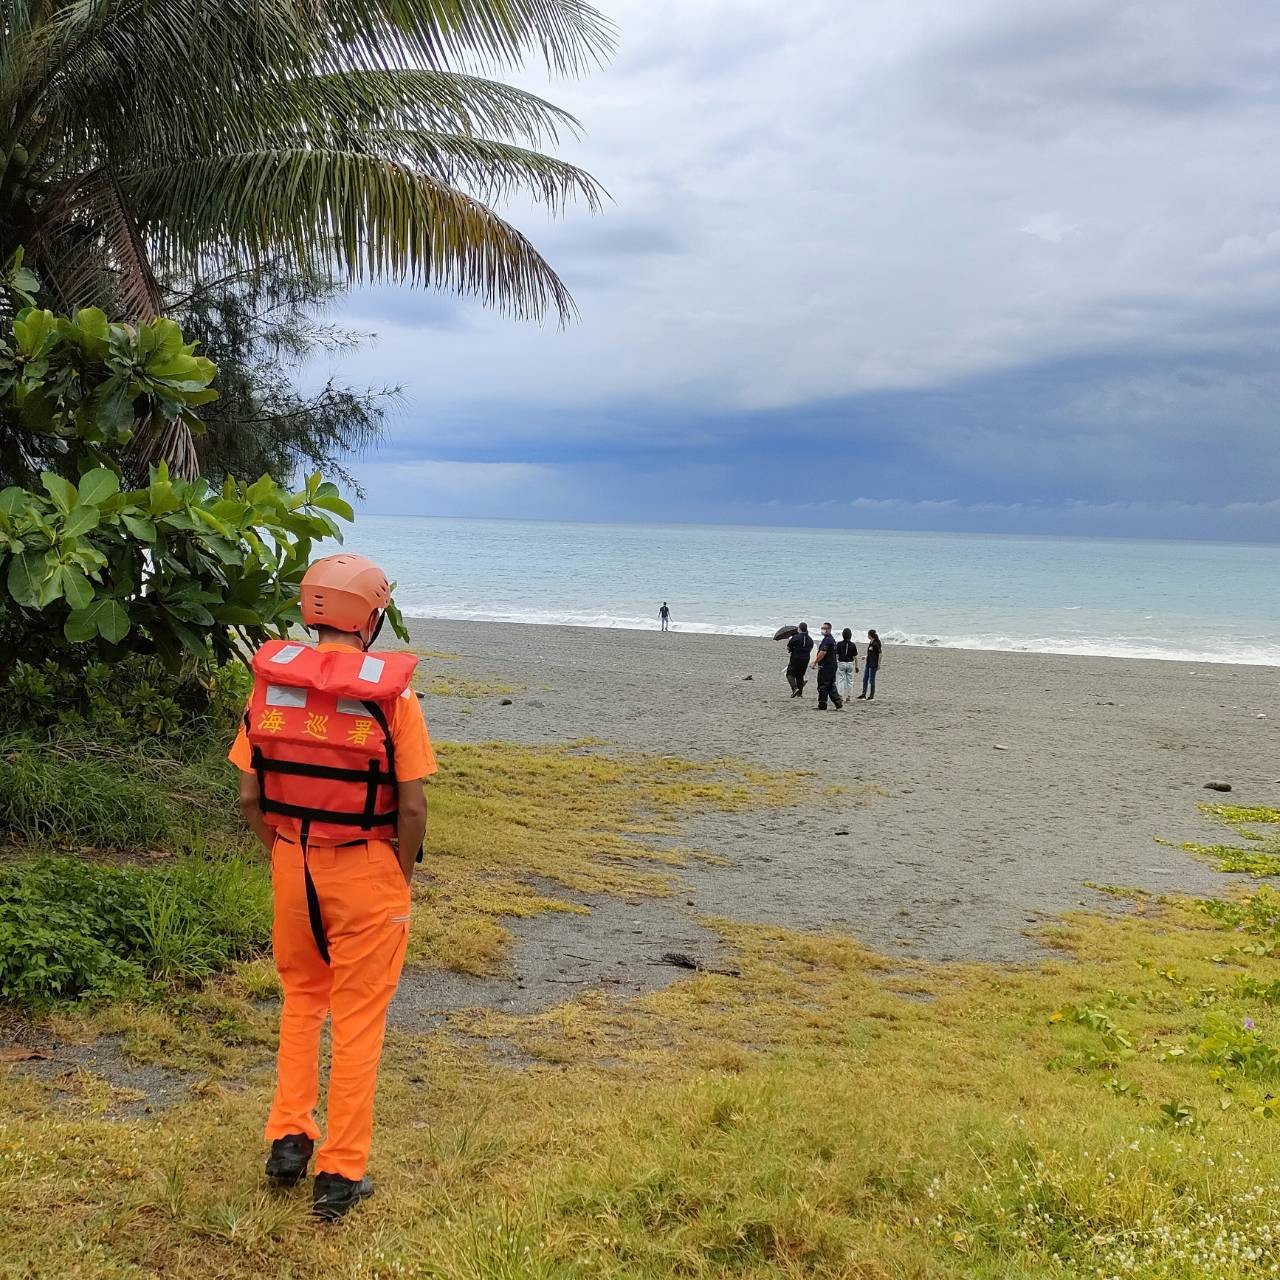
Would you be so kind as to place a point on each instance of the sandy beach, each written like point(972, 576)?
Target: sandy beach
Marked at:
point(941, 845)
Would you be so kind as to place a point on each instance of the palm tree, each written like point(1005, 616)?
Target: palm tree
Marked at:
point(186, 137)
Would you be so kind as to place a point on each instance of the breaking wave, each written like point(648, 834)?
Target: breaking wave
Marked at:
point(1215, 649)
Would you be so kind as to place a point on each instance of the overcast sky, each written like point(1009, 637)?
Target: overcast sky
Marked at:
point(984, 265)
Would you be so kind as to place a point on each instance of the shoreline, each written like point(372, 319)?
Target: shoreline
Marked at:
point(938, 843)
point(412, 619)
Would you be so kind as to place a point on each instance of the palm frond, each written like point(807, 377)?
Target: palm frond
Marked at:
point(88, 242)
point(569, 34)
point(488, 169)
point(366, 216)
point(183, 101)
point(169, 441)
point(445, 101)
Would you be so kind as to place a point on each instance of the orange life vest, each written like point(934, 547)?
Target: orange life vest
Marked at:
point(319, 728)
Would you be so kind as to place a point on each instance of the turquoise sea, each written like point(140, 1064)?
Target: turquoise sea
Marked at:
point(1204, 601)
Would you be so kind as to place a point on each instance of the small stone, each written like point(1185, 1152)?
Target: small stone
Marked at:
point(506, 702)
point(1217, 786)
point(1262, 715)
point(844, 831)
point(748, 677)
point(999, 746)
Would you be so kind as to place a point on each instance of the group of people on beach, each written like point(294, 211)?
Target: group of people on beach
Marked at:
point(836, 662)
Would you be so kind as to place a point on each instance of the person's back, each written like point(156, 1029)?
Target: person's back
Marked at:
point(333, 754)
point(665, 615)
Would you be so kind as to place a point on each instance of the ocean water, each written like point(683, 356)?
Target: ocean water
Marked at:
point(1203, 601)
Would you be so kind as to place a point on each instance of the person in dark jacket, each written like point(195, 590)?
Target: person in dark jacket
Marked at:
point(846, 663)
point(825, 661)
point(870, 666)
point(798, 649)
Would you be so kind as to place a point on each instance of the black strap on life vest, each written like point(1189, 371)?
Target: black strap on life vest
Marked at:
point(313, 898)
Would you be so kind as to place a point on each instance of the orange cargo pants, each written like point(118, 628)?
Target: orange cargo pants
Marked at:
point(364, 901)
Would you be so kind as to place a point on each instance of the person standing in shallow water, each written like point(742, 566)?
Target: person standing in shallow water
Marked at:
point(846, 663)
point(798, 648)
point(665, 615)
point(870, 666)
point(825, 661)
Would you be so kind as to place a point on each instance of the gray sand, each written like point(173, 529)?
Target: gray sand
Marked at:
point(953, 848)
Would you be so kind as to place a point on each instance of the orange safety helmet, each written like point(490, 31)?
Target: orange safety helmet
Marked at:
point(344, 592)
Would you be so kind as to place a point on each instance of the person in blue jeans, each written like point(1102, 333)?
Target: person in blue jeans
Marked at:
point(870, 665)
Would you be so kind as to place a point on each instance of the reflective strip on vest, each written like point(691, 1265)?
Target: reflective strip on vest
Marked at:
point(371, 669)
point(288, 654)
point(284, 695)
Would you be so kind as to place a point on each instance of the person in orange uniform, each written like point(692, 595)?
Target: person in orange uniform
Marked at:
point(333, 753)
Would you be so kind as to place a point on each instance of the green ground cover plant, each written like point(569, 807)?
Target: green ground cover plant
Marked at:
point(1260, 858)
point(72, 929)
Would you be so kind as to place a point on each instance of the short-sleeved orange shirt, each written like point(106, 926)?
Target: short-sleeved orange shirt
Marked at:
point(414, 757)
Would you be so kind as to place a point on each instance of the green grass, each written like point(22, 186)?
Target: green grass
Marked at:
point(1102, 1112)
point(457, 687)
point(73, 794)
point(574, 815)
point(1108, 1110)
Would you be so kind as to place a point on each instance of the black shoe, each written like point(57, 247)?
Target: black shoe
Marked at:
point(290, 1155)
point(335, 1195)
point(860, 697)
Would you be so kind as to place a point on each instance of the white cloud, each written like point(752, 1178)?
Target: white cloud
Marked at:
point(818, 200)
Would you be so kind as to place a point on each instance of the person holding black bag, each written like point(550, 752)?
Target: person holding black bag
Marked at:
point(799, 646)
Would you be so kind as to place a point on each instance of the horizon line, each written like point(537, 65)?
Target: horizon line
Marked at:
point(826, 528)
